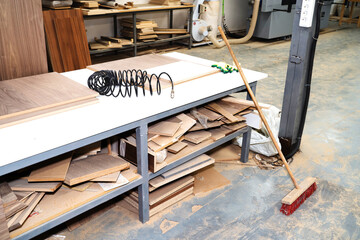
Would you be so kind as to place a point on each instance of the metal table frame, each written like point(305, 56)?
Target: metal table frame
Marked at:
point(142, 155)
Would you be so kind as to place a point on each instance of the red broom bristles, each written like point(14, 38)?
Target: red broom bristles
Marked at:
point(289, 209)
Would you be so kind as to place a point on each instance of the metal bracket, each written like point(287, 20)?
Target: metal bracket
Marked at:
point(295, 59)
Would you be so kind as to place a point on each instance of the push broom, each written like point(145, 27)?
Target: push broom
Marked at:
point(301, 191)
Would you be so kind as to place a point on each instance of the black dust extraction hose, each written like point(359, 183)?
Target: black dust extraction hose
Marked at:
point(295, 147)
point(115, 83)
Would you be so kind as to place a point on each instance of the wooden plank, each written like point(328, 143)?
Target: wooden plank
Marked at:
point(24, 117)
point(23, 50)
point(234, 127)
point(239, 119)
point(228, 152)
point(187, 123)
point(211, 115)
point(112, 177)
point(209, 125)
point(139, 62)
point(244, 102)
point(6, 194)
point(19, 219)
point(169, 189)
point(217, 133)
point(208, 179)
point(13, 208)
point(79, 187)
point(160, 181)
point(223, 112)
point(174, 199)
point(177, 147)
point(23, 185)
point(295, 193)
point(54, 172)
point(186, 166)
point(83, 152)
point(29, 94)
point(164, 128)
point(93, 167)
point(66, 40)
point(4, 231)
point(198, 136)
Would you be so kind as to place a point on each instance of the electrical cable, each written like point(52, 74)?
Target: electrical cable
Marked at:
point(315, 37)
point(115, 83)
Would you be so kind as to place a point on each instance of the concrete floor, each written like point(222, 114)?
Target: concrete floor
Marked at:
point(249, 207)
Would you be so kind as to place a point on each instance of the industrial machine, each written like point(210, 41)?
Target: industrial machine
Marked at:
point(307, 17)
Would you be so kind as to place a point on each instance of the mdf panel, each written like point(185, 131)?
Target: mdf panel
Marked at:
point(22, 41)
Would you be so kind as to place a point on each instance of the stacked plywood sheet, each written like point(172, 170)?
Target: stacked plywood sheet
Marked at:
point(144, 29)
point(105, 42)
point(165, 196)
point(28, 98)
point(178, 136)
point(66, 40)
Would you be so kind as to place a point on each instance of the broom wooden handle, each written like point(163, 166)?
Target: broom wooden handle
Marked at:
point(258, 107)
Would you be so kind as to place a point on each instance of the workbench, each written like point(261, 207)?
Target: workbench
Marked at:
point(35, 141)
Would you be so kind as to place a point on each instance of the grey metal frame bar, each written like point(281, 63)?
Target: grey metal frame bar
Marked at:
point(143, 183)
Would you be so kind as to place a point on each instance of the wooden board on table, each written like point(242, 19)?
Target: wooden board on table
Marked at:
point(4, 231)
point(93, 167)
point(187, 123)
point(22, 184)
point(29, 94)
point(183, 71)
point(228, 152)
point(160, 181)
point(235, 126)
point(191, 164)
point(198, 136)
point(239, 119)
point(25, 117)
point(139, 62)
point(177, 147)
point(217, 133)
point(208, 179)
point(95, 45)
point(164, 128)
point(66, 40)
point(54, 172)
point(18, 219)
point(22, 47)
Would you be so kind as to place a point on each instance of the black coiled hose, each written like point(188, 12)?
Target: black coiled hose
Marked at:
point(115, 83)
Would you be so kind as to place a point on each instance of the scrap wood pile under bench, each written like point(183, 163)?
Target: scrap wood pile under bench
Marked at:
point(173, 138)
point(66, 181)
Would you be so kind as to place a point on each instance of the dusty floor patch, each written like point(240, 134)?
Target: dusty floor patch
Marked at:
point(166, 225)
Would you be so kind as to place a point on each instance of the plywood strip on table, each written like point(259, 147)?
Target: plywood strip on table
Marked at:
point(29, 94)
point(66, 40)
point(22, 45)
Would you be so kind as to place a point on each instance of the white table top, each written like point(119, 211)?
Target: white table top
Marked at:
point(33, 137)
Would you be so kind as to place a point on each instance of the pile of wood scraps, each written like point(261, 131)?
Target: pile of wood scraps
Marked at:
point(106, 42)
point(88, 4)
point(116, 4)
point(176, 137)
point(67, 181)
point(28, 98)
point(144, 29)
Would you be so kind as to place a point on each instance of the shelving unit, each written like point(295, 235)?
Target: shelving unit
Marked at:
point(144, 9)
point(100, 121)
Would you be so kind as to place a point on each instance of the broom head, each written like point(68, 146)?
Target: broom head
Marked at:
point(298, 195)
